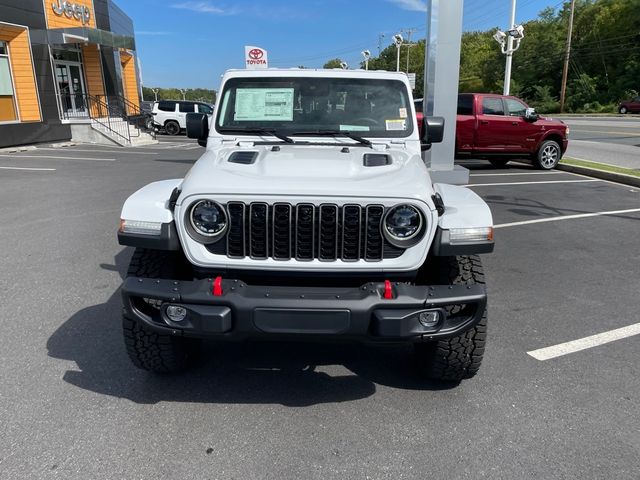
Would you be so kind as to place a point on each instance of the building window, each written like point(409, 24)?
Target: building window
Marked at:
point(7, 95)
point(70, 54)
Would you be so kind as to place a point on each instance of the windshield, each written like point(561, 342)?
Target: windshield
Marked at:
point(315, 106)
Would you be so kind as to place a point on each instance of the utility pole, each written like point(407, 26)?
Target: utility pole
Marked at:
point(565, 69)
point(409, 33)
point(507, 67)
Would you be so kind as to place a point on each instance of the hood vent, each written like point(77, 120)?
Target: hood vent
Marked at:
point(376, 159)
point(243, 158)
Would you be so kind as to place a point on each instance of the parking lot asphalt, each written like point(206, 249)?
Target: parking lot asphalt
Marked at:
point(73, 407)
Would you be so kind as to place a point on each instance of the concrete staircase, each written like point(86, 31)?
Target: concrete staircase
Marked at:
point(121, 132)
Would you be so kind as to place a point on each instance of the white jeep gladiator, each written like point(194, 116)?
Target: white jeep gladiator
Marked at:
point(311, 215)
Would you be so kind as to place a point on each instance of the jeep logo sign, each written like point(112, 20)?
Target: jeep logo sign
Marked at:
point(255, 57)
point(71, 10)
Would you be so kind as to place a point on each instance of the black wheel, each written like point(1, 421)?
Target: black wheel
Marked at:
point(498, 162)
point(148, 349)
point(456, 358)
point(623, 110)
point(548, 156)
point(172, 127)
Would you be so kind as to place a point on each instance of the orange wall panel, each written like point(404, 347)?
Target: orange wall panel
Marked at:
point(76, 18)
point(24, 82)
point(7, 110)
point(129, 78)
point(93, 70)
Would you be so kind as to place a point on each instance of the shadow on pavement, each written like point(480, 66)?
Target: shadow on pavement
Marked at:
point(243, 372)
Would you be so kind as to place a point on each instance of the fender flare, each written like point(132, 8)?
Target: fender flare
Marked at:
point(463, 209)
point(152, 203)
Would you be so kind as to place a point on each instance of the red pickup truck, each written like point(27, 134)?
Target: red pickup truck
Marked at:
point(501, 128)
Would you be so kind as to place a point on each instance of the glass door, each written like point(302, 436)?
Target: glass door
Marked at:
point(71, 88)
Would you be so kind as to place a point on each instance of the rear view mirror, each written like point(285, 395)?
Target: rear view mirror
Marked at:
point(198, 127)
point(432, 130)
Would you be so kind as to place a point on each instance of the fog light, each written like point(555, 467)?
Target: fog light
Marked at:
point(429, 319)
point(175, 313)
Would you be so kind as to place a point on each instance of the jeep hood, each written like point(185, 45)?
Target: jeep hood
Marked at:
point(304, 170)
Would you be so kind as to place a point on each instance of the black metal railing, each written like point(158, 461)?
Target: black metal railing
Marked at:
point(134, 114)
point(113, 113)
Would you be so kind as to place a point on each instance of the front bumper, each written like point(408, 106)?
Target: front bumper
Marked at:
point(245, 311)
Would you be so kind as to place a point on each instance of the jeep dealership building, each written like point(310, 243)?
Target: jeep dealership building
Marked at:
point(58, 59)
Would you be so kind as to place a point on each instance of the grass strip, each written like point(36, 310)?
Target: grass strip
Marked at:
point(601, 166)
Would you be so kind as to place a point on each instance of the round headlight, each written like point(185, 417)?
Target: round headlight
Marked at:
point(208, 218)
point(402, 224)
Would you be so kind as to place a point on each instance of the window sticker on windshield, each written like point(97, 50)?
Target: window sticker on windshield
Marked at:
point(354, 128)
point(403, 113)
point(396, 124)
point(264, 104)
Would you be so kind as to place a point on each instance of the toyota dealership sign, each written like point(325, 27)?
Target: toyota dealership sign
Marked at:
point(255, 57)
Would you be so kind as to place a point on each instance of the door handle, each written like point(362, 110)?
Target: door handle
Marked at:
point(484, 122)
point(514, 123)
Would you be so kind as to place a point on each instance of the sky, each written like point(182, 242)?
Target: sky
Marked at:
point(190, 43)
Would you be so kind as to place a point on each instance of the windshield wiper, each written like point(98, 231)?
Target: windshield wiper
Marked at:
point(259, 131)
point(336, 133)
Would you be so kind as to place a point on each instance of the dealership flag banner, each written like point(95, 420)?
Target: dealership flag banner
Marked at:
point(255, 57)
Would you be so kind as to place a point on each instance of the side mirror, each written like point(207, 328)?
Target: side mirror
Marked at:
point(198, 127)
point(530, 115)
point(432, 130)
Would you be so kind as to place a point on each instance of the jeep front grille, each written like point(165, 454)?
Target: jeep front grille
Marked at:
point(327, 232)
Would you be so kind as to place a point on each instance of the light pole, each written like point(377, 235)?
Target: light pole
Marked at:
point(184, 93)
point(366, 54)
point(155, 93)
point(509, 43)
point(397, 39)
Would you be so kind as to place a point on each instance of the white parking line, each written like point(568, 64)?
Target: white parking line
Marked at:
point(520, 173)
point(566, 217)
point(573, 346)
point(30, 168)
point(60, 158)
point(531, 183)
point(99, 150)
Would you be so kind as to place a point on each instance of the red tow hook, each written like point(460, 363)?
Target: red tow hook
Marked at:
point(388, 291)
point(217, 287)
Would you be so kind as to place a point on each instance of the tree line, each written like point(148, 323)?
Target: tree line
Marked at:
point(604, 67)
point(193, 94)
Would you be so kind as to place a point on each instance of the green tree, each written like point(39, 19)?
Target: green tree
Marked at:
point(333, 63)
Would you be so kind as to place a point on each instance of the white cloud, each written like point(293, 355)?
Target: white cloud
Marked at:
point(414, 5)
point(204, 7)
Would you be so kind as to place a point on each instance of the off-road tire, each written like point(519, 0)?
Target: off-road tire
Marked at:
point(147, 349)
point(171, 127)
point(456, 358)
point(498, 162)
point(543, 158)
